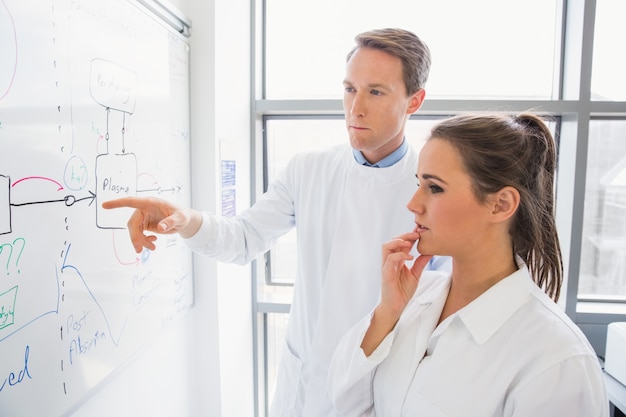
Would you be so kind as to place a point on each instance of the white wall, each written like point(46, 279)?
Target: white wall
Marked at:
point(202, 365)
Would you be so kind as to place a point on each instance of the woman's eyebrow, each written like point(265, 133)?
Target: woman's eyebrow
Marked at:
point(431, 177)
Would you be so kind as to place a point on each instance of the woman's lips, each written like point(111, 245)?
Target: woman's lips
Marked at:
point(420, 228)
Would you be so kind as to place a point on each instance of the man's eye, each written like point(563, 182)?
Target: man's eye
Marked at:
point(349, 89)
point(377, 92)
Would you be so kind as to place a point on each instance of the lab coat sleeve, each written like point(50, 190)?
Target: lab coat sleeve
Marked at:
point(574, 387)
point(351, 374)
point(241, 238)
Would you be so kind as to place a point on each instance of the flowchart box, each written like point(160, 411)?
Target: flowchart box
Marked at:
point(116, 177)
point(113, 86)
point(5, 204)
point(7, 307)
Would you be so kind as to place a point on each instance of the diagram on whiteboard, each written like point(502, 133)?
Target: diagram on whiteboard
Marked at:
point(93, 106)
point(115, 89)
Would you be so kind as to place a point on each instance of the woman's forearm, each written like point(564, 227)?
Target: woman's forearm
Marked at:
point(382, 323)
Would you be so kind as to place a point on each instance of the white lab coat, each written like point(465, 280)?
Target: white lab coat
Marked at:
point(511, 352)
point(344, 212)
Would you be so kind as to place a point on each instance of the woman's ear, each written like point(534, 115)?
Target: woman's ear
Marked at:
point(505, 203)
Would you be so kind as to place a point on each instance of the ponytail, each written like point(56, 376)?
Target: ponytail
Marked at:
point(534, 232)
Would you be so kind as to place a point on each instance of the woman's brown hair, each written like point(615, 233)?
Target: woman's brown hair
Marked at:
point(499, 150)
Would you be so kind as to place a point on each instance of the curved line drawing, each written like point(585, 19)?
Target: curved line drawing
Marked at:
point(93, 297)
point(117, 255)
point(38, 178)
point(3, 94)
point(55, 311)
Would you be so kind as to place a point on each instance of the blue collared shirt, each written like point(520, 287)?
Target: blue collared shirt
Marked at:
point(387, 161)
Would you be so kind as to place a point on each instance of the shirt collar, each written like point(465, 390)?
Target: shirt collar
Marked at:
point(486, 314)
point(437, 286)
point(387, 161)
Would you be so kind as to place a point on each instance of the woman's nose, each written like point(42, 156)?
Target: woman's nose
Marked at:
point(415, 203)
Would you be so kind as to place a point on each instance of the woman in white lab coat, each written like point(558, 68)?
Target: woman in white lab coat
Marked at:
point(487, 339)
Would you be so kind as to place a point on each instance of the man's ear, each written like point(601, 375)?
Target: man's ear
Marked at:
point(416, 100)
point(505, 203)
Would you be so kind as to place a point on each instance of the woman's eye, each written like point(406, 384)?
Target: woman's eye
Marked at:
point(435, 189)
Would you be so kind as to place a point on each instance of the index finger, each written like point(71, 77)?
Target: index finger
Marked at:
point(404, 242)
point(409, 237)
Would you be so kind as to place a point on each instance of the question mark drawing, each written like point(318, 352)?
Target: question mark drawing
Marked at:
point(10, 247)
point(19, 255)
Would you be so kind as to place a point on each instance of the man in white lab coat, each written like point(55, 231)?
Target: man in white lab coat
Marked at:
point(344, 202)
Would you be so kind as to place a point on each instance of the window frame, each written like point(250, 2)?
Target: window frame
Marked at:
point(574, 110)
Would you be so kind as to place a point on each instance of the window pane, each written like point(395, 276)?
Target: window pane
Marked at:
point(480, 49)
point(285, 138)
point(607, 81)
point(276, 330)
point(603, 254)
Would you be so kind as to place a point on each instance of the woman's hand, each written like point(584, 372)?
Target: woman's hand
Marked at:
point(399, 283)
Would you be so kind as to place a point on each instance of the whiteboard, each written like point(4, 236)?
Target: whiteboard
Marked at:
point(94, 105)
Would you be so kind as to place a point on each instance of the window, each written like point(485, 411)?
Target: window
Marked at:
point(480, 49)
point(603, 260)
point(607, 82)
point(557, 57)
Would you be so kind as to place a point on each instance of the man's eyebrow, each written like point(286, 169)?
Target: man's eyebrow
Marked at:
point(372, 85)
point(378, 86)
point(431, 177)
